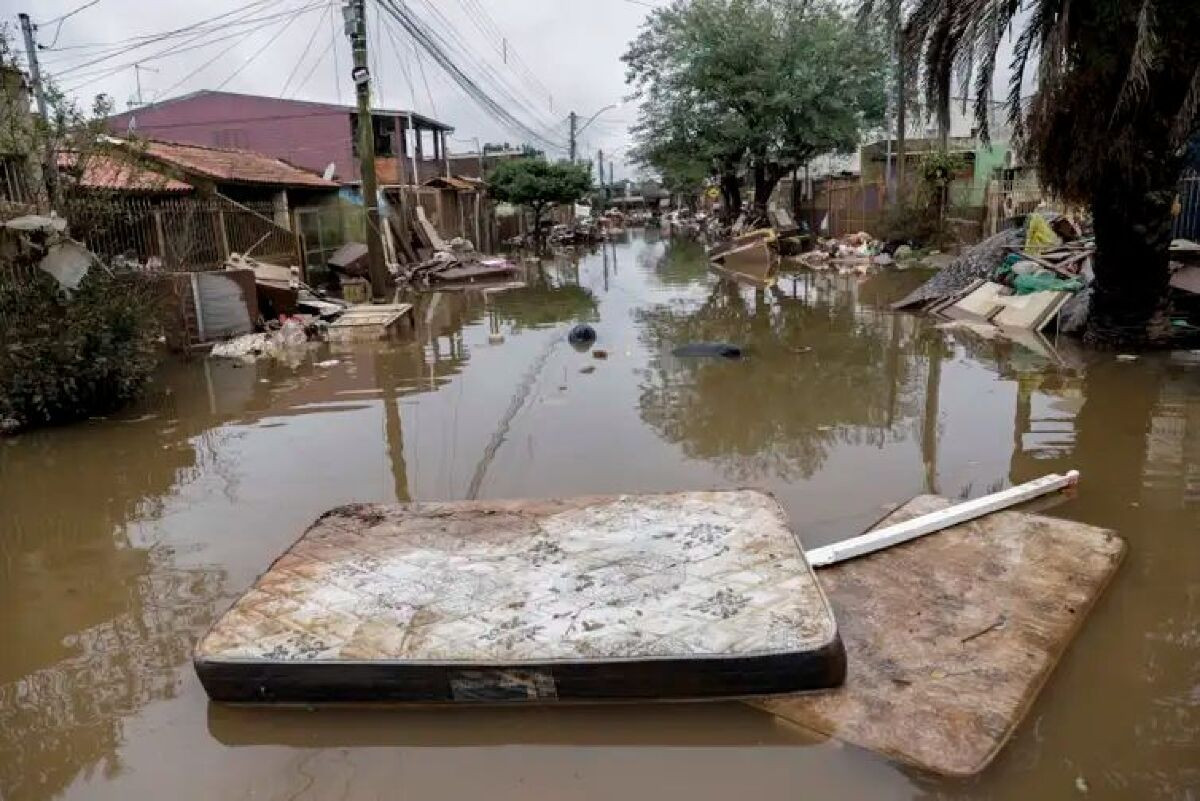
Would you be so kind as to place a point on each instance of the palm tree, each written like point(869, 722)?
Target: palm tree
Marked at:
point(1117, 96)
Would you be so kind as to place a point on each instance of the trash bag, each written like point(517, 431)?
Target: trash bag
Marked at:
point(581, 336)
point(1039, 235)
point(1044, 281)
point(1072, 319)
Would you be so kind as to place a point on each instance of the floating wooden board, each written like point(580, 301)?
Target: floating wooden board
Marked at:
point(949, 638)
point(686, 595)
point(368, 322)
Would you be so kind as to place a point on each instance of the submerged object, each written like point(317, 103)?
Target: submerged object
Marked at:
point(681, 595)
point(724, 350)
point(581, 335)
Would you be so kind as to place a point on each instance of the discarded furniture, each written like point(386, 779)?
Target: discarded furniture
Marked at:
point(368, 323)
point(752, 262)
point(950, 637)
point(350, 259)
point(683, 595)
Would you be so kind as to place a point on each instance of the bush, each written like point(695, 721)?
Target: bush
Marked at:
point(65, 357)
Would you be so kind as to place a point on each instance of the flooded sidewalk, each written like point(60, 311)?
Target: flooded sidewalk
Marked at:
point(123, 539)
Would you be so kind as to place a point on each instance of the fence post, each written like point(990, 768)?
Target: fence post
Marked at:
point(223, 240)
point(162, 241)
point(301, 256)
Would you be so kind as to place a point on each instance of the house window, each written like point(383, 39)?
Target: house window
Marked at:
point(14, 183)
point(385, 136)
point(234, 138)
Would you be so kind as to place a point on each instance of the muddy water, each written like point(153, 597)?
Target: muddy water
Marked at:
point(121, 539)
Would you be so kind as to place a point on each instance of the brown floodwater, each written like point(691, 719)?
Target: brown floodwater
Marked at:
point(121, 539)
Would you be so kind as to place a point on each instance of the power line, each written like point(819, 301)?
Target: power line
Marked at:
point(237, 41)
point(175, 50)
point(133, 42)
point(295, 16)
point(304, 51)
point(60, 19)
point(428, 41)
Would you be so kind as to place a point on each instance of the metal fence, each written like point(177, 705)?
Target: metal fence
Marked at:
point(179, 234)
point(1187, 224)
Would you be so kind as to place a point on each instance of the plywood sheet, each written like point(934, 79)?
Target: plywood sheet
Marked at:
point(370, 321)
point(949, 638)
point(691, 594)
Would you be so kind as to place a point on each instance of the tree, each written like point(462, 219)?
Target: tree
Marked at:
point(1117, 98)
point(537, 184)
point(760, 86)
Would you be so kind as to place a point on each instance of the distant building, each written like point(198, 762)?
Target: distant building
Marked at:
point(469, 165)
point(316, 136)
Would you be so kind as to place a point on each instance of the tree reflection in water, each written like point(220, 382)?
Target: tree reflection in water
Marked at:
point(820, 370)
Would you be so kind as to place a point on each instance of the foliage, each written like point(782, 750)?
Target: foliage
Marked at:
point(1117, 98)
point(64, 357)
point(536, 184)
point(758, 85)
point(69, 138)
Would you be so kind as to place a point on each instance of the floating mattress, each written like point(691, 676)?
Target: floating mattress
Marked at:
point(686, 595)
point(952, 636)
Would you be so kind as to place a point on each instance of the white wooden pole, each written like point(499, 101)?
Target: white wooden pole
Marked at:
point(936, 521)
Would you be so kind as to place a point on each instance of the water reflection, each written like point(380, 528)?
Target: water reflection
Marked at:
point(820, 370)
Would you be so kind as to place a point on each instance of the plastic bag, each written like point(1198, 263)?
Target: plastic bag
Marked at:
point(1039, 235)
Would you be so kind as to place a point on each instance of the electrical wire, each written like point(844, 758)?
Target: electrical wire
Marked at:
point(436, 47)
point(261, 50)
point(175, 50)
point(305, 51)
point(237, 41)
point(132, 42)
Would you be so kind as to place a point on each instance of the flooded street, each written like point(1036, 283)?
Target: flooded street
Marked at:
point(122, 539)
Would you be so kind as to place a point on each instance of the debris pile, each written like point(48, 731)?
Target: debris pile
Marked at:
point(1020, 278)
point(856, 252)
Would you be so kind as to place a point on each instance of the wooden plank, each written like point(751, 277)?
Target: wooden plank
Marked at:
point(679, 595)
point(949, 638)
point(886, 537)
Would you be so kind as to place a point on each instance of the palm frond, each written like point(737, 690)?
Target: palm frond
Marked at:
point(1145, 49)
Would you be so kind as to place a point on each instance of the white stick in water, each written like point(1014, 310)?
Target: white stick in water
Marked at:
point(936, 521)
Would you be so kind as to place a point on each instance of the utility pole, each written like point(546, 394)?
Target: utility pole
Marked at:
point(574, 120)
point(49, 158)
point(600, 158)
point(356, 28)
point(35, 71)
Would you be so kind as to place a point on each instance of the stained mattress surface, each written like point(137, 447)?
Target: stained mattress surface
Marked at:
point(694, 594)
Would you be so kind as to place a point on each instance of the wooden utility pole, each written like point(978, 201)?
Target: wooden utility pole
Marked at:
point(600, 158)
point(49, 158)
point(574, 120)
point(356, 29)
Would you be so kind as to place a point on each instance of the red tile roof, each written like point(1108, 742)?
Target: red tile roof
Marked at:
point(107, 172)
point(234, 166)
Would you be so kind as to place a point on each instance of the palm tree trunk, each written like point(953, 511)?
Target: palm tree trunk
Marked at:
point(1133, 234)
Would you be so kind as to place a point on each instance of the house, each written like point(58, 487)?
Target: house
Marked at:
point(321, 137)
point(18, 170)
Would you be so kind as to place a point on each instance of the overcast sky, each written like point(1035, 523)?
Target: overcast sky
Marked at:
point(571, 47)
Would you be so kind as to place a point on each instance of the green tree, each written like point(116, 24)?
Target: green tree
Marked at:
point(760, 86)
point(1117, 98)
point(537, 184)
